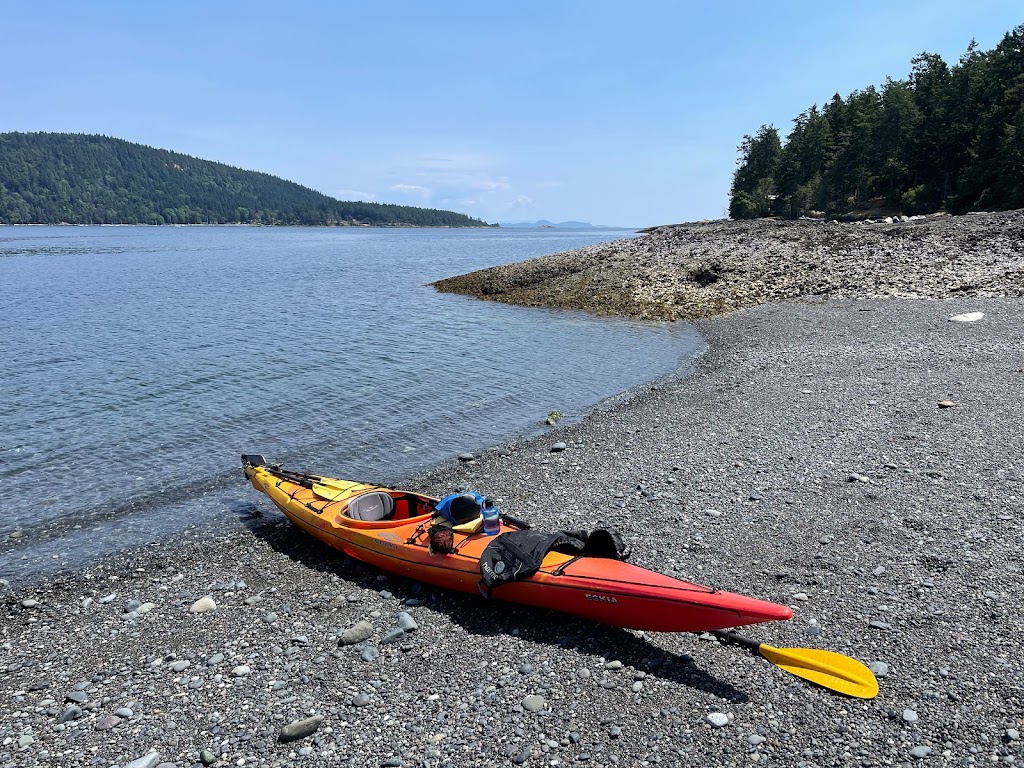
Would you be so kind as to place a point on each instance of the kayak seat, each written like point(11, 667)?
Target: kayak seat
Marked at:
point(370, 507)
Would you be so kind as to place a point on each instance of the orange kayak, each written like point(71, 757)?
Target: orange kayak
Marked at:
point(388, 528)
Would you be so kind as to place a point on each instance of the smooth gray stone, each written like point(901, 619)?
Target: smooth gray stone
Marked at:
point(879, 668)
point(392, 636)
point(533, 703)
point(406, 622)
point(107, 722)
point(150, 760)
point(358, 632)
point(300, 729)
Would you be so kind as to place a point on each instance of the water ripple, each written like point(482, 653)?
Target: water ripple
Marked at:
point(137, 363)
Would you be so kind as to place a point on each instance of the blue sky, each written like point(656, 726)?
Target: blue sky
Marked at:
point(615, 113)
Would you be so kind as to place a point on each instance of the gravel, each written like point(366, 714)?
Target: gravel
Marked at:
point(927, 547)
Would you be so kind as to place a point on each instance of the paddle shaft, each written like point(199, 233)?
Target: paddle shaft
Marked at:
point(732, 638)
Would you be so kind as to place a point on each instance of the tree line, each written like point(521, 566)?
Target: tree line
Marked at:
point(66, 178)
point(945, 138)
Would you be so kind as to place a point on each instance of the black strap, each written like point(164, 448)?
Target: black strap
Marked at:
point(561, 569)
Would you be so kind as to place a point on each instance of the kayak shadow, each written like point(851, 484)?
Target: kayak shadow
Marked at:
point(491, 618)
point(549, 628)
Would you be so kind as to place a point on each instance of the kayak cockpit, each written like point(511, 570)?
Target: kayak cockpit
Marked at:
point(385, 506)
point(371, 507)
point(350, 504)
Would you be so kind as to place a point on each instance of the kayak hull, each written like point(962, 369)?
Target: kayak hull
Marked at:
point(596, 589)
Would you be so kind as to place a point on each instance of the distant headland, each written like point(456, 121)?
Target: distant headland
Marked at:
point(70, 178)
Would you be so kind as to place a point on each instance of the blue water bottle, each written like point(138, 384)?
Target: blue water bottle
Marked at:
point(492, 518)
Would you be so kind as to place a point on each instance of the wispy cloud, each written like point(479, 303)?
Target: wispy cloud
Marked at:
point(462, 180)
point(412, 189)
point(491, 185)
point(455, 173)
point(520, 201)
point(449, 161)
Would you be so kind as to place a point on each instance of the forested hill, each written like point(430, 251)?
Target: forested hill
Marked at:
point(67, 178)
point(946, 138)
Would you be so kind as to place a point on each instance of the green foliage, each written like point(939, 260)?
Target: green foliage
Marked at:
point(741, 206)
point(946, 137)
point(64, 178)
point(919, 199)
point(752, 185)
point(553, 418)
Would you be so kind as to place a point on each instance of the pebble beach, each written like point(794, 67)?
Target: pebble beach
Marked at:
point(852, 452)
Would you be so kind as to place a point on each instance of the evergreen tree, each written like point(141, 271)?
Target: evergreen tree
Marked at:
point(946, 137)
point(753, 184)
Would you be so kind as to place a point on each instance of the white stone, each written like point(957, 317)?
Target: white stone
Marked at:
point(967, 317)
point(203, 604)
point(717, 719)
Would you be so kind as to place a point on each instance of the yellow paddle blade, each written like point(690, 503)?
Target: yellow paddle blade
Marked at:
point(831, 670)
point(337, 490)
point(342, 484)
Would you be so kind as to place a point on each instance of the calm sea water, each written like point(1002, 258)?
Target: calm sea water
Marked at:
point(136, 364)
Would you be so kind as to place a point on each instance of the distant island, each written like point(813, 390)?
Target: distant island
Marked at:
point(545, 224)
point(70, 178)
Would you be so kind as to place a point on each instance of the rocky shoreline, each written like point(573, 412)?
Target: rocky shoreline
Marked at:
point(690, 271)
point(806, 461)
